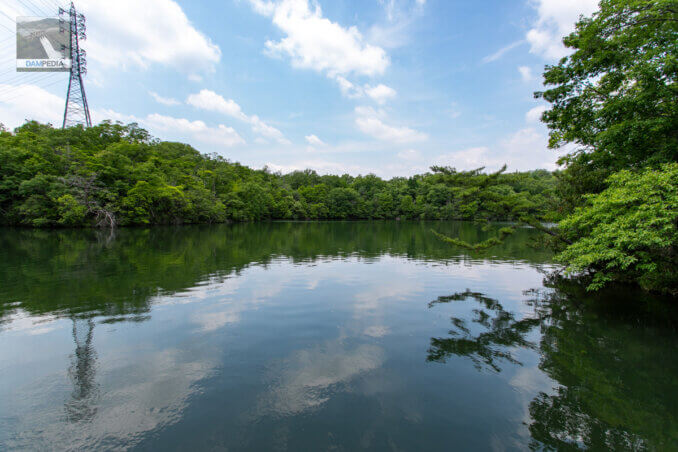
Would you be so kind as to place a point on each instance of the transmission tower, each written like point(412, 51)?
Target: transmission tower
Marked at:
point(77, 110)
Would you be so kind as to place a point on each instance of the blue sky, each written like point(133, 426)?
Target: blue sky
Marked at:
point(384, 86)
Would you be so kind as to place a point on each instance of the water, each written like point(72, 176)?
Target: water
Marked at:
point(321, 336)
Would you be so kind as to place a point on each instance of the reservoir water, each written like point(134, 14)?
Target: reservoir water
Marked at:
point(322, 336)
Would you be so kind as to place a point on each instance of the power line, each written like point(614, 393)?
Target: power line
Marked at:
point(7, 99)
point(49, 6)
point(77, 109)
point(22, 79)
point(31, 78)
point(10, 19)
point(34, 81)
point(7, 28)
point(29, 8)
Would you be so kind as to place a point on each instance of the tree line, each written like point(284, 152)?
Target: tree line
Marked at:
point(118, 175)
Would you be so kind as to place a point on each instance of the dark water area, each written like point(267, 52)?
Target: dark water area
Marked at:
point(322, 336)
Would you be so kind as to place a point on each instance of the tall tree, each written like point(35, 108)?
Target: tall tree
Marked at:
point(615, 98)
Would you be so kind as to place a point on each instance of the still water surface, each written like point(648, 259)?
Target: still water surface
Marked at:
point(321, 336)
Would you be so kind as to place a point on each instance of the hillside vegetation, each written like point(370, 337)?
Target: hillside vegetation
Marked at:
point(114, 174)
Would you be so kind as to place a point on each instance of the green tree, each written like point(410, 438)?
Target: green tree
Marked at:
point(615, 97)
point(629, 232)
point(342, 202)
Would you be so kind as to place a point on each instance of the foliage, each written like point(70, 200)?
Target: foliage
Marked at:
point(502, 331)
point(615, 97)
point(489, 243)
point(487, 192)
point(629, 232)
point(113, 174)
point(611, 378)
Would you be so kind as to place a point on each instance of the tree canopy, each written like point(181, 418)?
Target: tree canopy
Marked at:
point(629, 231)
point(615, 98)
point(614, 103)
point(114, 174)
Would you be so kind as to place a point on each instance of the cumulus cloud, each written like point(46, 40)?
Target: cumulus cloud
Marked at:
point(163, 100)
point(19, 105)
point(523, 150)
point(169, 127)
point(556, 19)
point(525, 73)
point(314, 140)
point(131, 35)
point(307, 379)
point(380, 93)
point(464, 159)
point(211, 101)
point(534, 115)
point(314, 42)
point(14, 111)
point(197, 130)
point(321, 166)
point(369, 122)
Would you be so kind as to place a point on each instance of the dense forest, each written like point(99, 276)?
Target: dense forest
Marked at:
point(114, 174)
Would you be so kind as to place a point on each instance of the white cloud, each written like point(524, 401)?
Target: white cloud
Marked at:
point(368, 121)
point(523, 150)
point(314, 140)
point(212, 321)
point(20, 102)
point(14, 111)
point(376, 331)
point(163, 100)
point(211, 101)
point(314, 42)
point(307, 379)
point(347, 88)
point(380, 93)
point(534, 115)
point(555, 20)
point(409, 154)
point(321, 166)
point(525, 73)
point(500, 53)
point(140, 34)
point(198, 130)
point(403, 167)
point(465, 159)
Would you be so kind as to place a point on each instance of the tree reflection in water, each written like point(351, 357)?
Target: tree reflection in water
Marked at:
point(612, 358)
point(488, 348)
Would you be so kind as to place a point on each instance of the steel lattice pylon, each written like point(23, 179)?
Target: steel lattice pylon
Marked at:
point(77, 110)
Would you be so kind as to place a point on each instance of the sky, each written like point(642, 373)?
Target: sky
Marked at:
point(389, 87)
